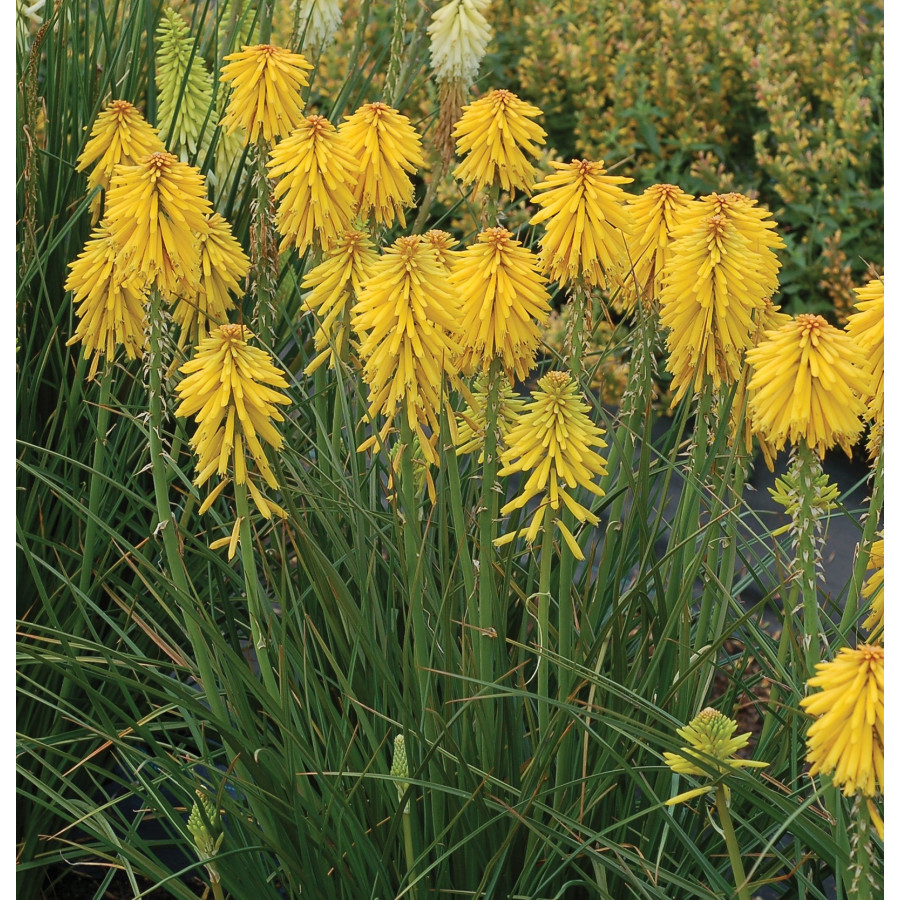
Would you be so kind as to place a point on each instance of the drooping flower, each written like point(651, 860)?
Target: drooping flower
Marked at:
point(387, 150)
point(553, 442)
point(807, 383)
point(496, 135)
point(407, 321)
point(710, 754)
point(442, 243)
point(505, 303)
point(472, 421)
point(867, 328)
point(317, 175)
point(587, 222)
point(109, 302)
point(715, 280)
point(120, 135)
point(157, 212)
point(655, 214)
point(185, 89)
point(223, 265)
point(873, 591)
point(231, 389)
point(847, 739)
point(316, 22)
point(334, 285)
point(266, 99)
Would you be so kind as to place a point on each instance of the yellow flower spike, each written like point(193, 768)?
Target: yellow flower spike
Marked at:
point(712, 744)
point(317, 175)
point(587, 222)
point(505, 303)
point(407, 321)
point(873, 591)
point(231, 390)
point(266, 100)
point(120, 134)
point(223, 266)
point(472, 421)
point(387, 150)
point(109, 302)
point(750, 221)
point(807, 384)
point(866, 326)
point(553, 443)
point(655, 214)
point(156, 212)
point(847, 739)
point(715, 282)
point(495, 136)
point(185, 89)
point(442, 243)
point(334, 285)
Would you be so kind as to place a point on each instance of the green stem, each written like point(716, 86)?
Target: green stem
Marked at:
point(488, 621)
point(411, 548)
point(265, 21)
point(806, 469)
point(263, 253)
point(217, 890)
point(734, 851)
point(410, 855)
point(544, 625)
point(166, 523)
point(392, 79)
point(259, 619)
point(96, 490)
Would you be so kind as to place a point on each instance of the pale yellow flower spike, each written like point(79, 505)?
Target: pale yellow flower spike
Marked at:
point(318, 174)
point(120, 135)
point(505, 303)
point(495, 136)
point(407, 322)
point(587, 223)
point(266, 99)
point(807, 383)
point(387, 150)
point(109, 302)
point(712, 744)
point(230, 389)
point(866, 327)
point(553, 443)
point(847, 739)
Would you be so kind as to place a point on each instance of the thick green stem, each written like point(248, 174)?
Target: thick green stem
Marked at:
point(259, 618)
point(265, 21)
point(96, 490)
point(544, 625)
point(734, 851)
point(166, 523)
